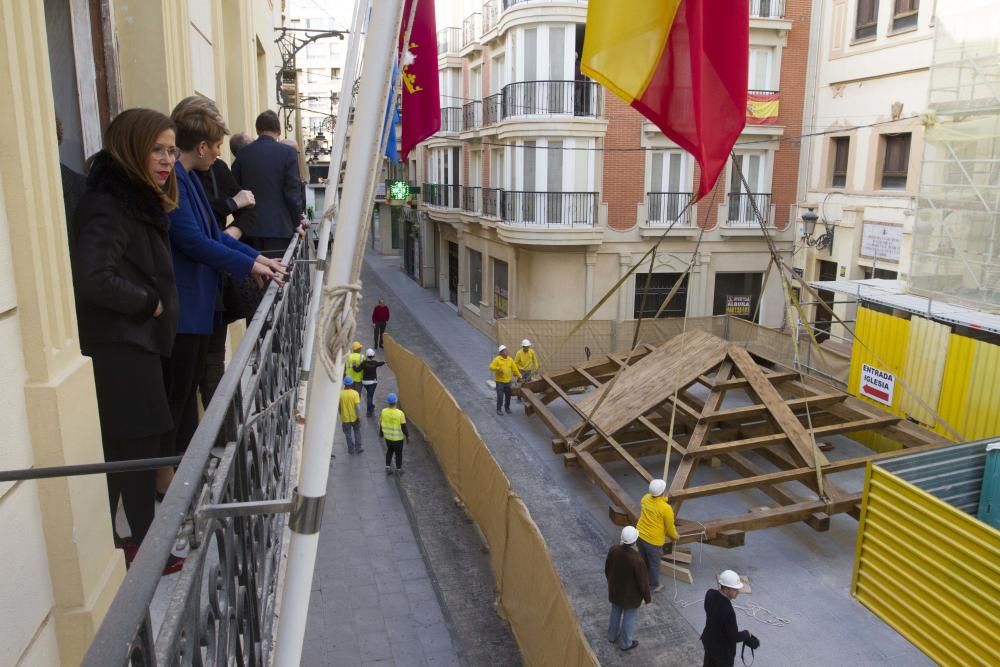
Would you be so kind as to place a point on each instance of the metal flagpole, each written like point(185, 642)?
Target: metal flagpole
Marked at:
point(331, 199)
point(364, 156)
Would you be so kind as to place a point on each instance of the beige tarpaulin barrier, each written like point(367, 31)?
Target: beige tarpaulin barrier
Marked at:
point(601, 337)
point(530, 593)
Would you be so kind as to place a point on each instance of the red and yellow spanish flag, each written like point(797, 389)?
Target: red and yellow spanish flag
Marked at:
point(682, 64)
point(762, 107)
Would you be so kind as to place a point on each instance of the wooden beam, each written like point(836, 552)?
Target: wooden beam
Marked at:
point(781, 438)
point(549, 419)
point(738, 383)
point(665, 437)
point(720, 531)
point(737, 414)
point(609, 485)
point(688, 464)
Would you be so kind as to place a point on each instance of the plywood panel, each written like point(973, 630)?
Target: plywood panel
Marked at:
point(926, 353)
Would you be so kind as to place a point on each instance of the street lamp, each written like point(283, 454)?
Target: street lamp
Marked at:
point(824, 240)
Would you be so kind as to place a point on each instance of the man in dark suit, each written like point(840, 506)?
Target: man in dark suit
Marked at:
point(270, 170)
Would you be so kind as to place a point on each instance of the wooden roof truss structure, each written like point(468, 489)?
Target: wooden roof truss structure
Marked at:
point(771, 439)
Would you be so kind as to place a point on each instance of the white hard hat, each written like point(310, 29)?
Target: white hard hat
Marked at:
point(501, 348)
point(657, 487)
point(629, 535)
point(525, 343)
point(369, 352)
point(730, 579)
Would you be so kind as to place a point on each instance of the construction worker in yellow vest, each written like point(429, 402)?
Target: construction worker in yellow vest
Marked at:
point(392, 427)
point(655, 524)
point(504, 369)
point(355, 363)
point(527, 362)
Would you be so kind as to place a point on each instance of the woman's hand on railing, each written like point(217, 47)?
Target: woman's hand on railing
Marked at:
point(265, 268)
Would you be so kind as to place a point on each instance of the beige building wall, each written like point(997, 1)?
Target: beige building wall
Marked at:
point(61, 570)
point(866, 89)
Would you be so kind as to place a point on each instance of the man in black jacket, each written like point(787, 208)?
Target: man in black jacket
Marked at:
point(628, 586)
point(270, 170)
point(721, 635)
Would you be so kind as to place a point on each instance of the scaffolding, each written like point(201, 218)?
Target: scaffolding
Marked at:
point(956, 239)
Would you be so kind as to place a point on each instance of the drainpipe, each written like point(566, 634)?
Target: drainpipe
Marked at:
point(364, 155)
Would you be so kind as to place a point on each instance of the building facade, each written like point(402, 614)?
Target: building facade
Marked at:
point(542, 190)
point(84, 60)
point(870, 85)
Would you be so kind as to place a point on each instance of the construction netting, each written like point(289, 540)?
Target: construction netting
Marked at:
point(956, 235)
point(558, 346)
point(530, 595)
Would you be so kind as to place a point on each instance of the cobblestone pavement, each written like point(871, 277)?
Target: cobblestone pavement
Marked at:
point(391, 550)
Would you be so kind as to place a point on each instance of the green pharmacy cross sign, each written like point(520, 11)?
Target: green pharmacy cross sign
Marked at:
point(399, 190)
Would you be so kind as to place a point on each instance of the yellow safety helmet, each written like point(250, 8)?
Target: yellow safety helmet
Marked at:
point(355, 346)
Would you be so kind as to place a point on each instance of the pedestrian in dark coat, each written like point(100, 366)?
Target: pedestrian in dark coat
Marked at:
point(271, 171)
point(721, 634)
point(628, 587)
point(126, 300)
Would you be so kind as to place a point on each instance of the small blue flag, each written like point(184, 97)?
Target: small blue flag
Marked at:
point(391, 119)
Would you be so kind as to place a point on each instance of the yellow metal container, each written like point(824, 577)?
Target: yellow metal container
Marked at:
point(929, 570)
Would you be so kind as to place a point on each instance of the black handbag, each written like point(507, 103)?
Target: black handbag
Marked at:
point(241, 298)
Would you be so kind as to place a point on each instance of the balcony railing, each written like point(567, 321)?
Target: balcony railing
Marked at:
point(229, 505)
point(507, 4)
point(662, 208)
point(472, 29)
point(491, 202)
point(551, 98)
point(741, 208)
point(767, 9)
point(491, 12)
point(472, 199)
point(449, 40)
point(472, 116)
point(549, 209)
point(442, 195)
point(451, 120)
point(492, 108)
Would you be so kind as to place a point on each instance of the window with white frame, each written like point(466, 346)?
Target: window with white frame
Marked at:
point(669, 187)
point(761, 65)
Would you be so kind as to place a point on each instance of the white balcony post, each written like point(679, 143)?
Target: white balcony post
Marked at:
point(331, 198)
point(363, 156)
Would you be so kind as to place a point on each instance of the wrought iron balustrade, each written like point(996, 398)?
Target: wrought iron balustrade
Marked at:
point(549, 209)
point(471, 27)
point(741, 208)
point(472, 199)
point(551, 98)
point(442, 195)
point(451, 120)
point(449, 40)
point(492, 108)
point(491, 12)
point(491, 202)
point(767, 9)
point(472, 115)
point(227, 504)
point(662, 208)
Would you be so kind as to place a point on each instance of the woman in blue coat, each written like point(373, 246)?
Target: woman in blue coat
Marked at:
point(202, 256)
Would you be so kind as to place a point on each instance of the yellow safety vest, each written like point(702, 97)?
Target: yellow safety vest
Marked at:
point(392, 421)
point(354, 358)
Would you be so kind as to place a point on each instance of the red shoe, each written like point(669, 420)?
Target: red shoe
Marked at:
point(174, 565)
point(130, 547)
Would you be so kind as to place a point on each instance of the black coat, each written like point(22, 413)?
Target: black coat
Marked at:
point(721, 634)
point(121, 260)
point(271, 171)
point(628, 580)
point(221, 186)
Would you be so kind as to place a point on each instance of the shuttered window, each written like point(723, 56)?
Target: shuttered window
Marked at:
point(895, 160)
point(866, 20)
point(904, 14)
point(841, 151)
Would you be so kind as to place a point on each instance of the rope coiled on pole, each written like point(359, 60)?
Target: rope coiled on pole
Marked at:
point(337, 323)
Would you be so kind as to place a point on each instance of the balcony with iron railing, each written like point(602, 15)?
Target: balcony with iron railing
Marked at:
point(767, 9)
point(664, 209)
point(472, 116)
point(440, 195)
point(491, 202)
point(491, 14)
point(451, 120)
point(472, 199)
point(742, 209)
point(551, 98)
point(549, 218)
point(492, 109)
point(449, 41)
point(472, 28)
